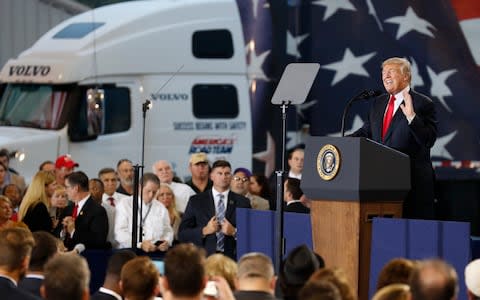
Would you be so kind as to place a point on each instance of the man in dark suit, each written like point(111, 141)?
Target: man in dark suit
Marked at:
point(44, 249)
point(405, 120)
point(111, 286)
point(86, 221)
point(209, 220)
point(291, 196)
point(15, 247)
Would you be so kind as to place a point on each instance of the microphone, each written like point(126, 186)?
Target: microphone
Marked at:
point(364, 95)
point(79, 248)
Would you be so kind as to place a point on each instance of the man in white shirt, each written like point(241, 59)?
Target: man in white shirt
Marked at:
point(183, 192)
point(110, 199)
point(157, 234)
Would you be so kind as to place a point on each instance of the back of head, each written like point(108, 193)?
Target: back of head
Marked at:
point(15, 244)
point(183, 283)
point(395, 291)
point(433, 280)
point(66, 277)
point(319, 290)
point(337, 278)
point(36, 192)
point(397, 270)
point(221, 265)
point(149, 177)
point(472, 277)
point(139, 278)
point(255, 265)
point(293, 186)
point(44, 249)
point(118, 260)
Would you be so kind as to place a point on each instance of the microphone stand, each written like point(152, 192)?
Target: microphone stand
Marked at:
point(136, 183)
point(364, 95)
point(280, 249)
point(145, 107)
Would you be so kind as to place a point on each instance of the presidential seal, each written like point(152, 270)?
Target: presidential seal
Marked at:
point(328, 162)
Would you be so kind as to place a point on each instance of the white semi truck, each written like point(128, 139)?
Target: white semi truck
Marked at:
point(81, 88)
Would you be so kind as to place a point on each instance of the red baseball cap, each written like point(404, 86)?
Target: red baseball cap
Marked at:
point(65, 161)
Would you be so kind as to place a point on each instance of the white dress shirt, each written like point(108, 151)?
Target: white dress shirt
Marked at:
point(182, 193)
point(111, 214)
point(156, 223)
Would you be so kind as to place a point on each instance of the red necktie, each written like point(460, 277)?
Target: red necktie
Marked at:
point(75, 211)
point(388, 116)
point(112, 201)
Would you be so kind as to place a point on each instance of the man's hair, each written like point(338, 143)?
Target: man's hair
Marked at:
point(433, 279)
point(149, 177)
point(5, 152)
point(293, 186)
point(337, 278)
point(139, 278)
point(99, 182)
point(66, 277)
point(403, 63)
point(255, 265)
point(221, 164)
point(15, 244)
point(105, 171)
point(121, 161)
point(397, 270)
point(319, 290)
point(43, 164)
point(184, 270)
point(297, 148)
point(78, 178)
point(118, 260)
point(44, 249)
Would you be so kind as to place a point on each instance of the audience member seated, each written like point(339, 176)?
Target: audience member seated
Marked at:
point(15, 247)
point(394, 291)
point(472, 279)
point(6, 214)
point(255, 278)
point(111, 286)
point(319, 290)
point(337, 278)
point(139, 279)
point(34, 208)
point(397, 270)
point(433, 279)
point(166, 196)
point(155, 224)
point(163, 170)
point(299, 265)
point(220, 265)
point(66, 277)
point(45, 248)
point(240, 183)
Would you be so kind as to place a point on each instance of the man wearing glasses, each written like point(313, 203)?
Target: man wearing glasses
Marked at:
point(240, 183)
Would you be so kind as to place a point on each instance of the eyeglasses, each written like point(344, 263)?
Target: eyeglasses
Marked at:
point(242, 179)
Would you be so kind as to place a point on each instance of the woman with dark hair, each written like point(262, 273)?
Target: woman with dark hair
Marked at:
point(259, 186)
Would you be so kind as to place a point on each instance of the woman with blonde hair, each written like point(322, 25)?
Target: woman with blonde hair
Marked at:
point(6, 210)
point(166, 196)
point(34, 207)
point(396, 291)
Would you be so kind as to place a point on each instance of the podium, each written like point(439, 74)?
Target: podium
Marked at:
point(350, 181)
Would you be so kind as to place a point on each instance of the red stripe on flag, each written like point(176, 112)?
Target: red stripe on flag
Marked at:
point(466, 9)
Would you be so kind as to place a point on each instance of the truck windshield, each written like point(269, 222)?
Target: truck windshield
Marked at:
point(37, 106)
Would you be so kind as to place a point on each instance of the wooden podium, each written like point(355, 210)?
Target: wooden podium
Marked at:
point(350, 181)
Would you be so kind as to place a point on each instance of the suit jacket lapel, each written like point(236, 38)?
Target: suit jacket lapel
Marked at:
point(230, 206)
point(397, 118)
point(211, 204)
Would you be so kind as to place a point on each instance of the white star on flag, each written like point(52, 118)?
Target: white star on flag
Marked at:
point(350, 64)
point(439, 149)
point(293, 43)
point(411, 22)
point(439, 87)
point(267, 156)
point(332, 6)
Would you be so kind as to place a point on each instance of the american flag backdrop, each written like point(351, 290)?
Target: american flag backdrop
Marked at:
point(350, 39)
